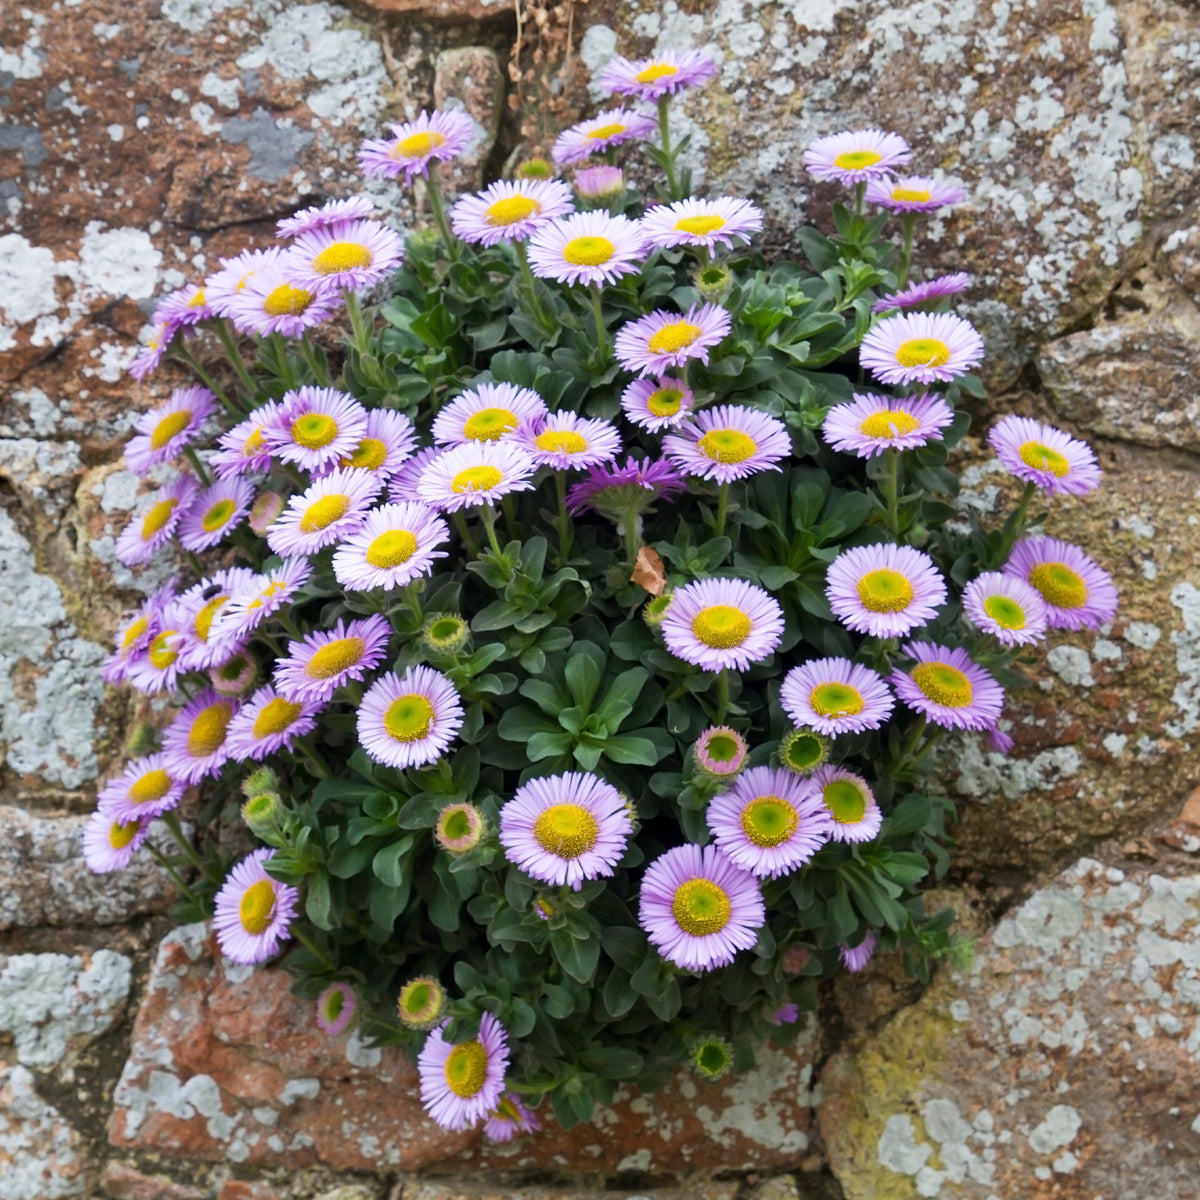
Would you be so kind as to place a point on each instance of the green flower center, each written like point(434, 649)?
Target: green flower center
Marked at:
point(217, 516)
point(922, 352)
point(314, 430)
point(769, 821)
point(1043, 458)
point(466, 1069)
point(341, 256)
point(664, 402)
point(409, 718)
point(943, 684)
point(836, 700)
point(566, 830)
point(885, 591)
point(392, 548)
point(257, 907)
point(721, 626)
point(722, 748)
point(589, 251)
point(846, 801)
point(802, 751)
point(701, 907)
point(1006, 612)
point(1059, 585)
point(334, 1003)
point(488, 424)
point(889, 423)
point(170, 426)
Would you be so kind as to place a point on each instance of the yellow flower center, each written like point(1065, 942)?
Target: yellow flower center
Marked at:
point(922, 352)
point(369, 455)
point(885, 591)
point(466, 1069)
point(721, 626)
point(943, 684)
point(207, 733)
point(335, 657)
point(911, 195)
point(134, 632)
point(664, 402)
point(506, 1110)
point(700, 225)
point(257, 907)
point(341, 256)
point(488, 424)
point(197, 301)
point(322, 513)
point(857, 160)
point(1043, 458)
point(606, 131)
point(845, 800)
point(286, 301)
point(1059, 585)
point(836, 700)
point(204, 618)
point(674, 337)
point(157, 516)
point(275, 717)
point(566, 830)
point(119, 836)
point(314, 430)
point(170, 426)
point(217, 516)
point(560, 441)
point(476, 479)
point(889, 423)
point(254, 443)
point(1006, 612)
point(511, 210)
point(769, 821)
point(154, 785)
point(655, 71)
point(161, 652)
point(588, 251)
point(391, 549)
point(701, 907)
point(417, 144)
point(727, 445)
point(409, 718)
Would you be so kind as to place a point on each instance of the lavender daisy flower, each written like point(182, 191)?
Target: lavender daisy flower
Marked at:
point(728, 442)
point(143, 790)
point(216, 511)
point(268, 722)
point(253, 912)
point(330, 658)
point(914, 193)
point(1007, 607)
point(835, 696)
point(871, 424)
point(167, 430)
point(432, 137)
point(352, 256)
point(487, 412)
point(664, 339)
point(336, 1006)
point(662, 75)
point(109, 844)
point(330, 509)
point(195, 743)
point(922, 292)
point(855, 958)
point(695, 222)
point(510, 210)
point(395, 544)
point(786, 1014)
point(568, 442)
point(721, 751)
point(948, 688)
point(509, 1118)
point(608, 128)
point(158, 669)
point(600, 183)
point(271, 300)
point(850, 803)
point(243, 448)
point(153, 527)
point(613, 490)
point(1045, 456)
point(657, 403)
point(461, 1084)
point(135, 634)
point(719, 623)
point(223, 289)
point(183, 308)
point(564, 829)
point(150, 356)
point(325, 216)
point(856, 157)
point(258, 599)
point(921, 348)
point(390, 439)
point(460, 828)
point(999, 741)
point(769, 822)
point(408, 720)
point(587, 247)
point(315, 427)
point(475, 473)
point(884, 590)
point(698, 909)
point(1077, 592)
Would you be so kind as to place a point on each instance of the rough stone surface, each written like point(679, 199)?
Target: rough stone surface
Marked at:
point(40, 1154)
point(124, 1182)
point(1062, 1064)
point(696, 1189)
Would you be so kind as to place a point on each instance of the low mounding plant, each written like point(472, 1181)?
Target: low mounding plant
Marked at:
point(588, 606)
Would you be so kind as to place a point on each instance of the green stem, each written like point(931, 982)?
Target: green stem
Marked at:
point(722, 695)
point(313, 757)
point(629, 529)
point(439, 215)
point(165, 863)
point(1015, 527)
point(664, 134)
point(235, 357)
point(171, 821)
point(564, 523)
point(189, 452)
point(488, 515)
point(362, 336)
point(860, 190)
point(209, 382)
point(318, 368)
point(299, 933)
point(286, 374)
point(464, 533)
point(196, 564)
point(892, 489)
point(909, 223)
point(601, 332)
point(535, 305)
point(722, 509)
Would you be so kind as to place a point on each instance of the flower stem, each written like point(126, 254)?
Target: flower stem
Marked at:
point(209, 382)
point(722, 694)
point(465, 535)
point(909, 223)
point(664, 134)
point(235, 358)
point(297, 931)
point(601, 333)
point(286, 374)
point(564, 521)
point(171, 821)
point(629, 527)
point(318, 368)
point(362, 336)
point(313, 756)
point(189, 452)
point(1014, 527)
point(488, 515)
point(439, 215)
point(535, 305)
point(165, 863)
point(859, 191)
point(722, 509)
point(892, 489)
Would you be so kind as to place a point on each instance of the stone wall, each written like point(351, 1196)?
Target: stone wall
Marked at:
point(144, 140)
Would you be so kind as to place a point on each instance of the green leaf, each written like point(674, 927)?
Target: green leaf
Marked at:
point(389, 862)
point(612, 1062)
point(577, 956)
point(317, 900)
point(583, 672)
point(624, 945)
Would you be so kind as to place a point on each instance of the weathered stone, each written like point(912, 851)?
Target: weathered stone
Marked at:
point(238, 1189)
point(41, 1156)
point(696, 1189)
point(468, 78)
point(227, 1063)
point(44, 880)
point(1062, 1064)
point(782, 1188)
point(51, 1004)
point(442, 10)
point(124, 1182)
